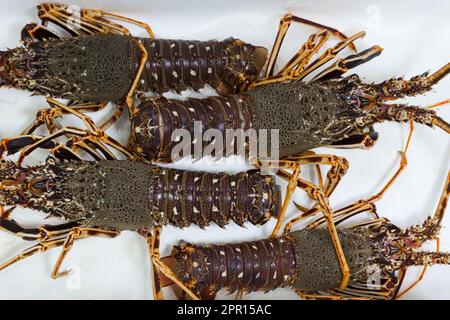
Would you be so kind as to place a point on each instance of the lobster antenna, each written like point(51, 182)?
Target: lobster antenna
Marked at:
point(428, 258)
point(440, 123)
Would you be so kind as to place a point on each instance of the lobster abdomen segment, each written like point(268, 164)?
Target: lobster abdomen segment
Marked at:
point(180, 64)
point(156, 120)
point(252, 266)
point(182, 198)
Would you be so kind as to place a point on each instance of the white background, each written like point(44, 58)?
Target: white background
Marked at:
point(415, 37)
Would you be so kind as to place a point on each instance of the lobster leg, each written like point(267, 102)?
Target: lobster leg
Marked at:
point(96, 137)
point(42, 233)
point(361, 141)
point(328, 55)
point(40, 142)
point(367, 204)
point(159, 266)
point(47, 236)
point(402, 166)
point(301, 58)
point(86, 21)
point(48, 116)
point(28, 143)
point(341, 66)
point(285, 23)
point(297, 62)
point(153, 250)
point(99, 17)
point(89, 145)
point(14, 145)
point(32, 32)
point(317, 194)
point(77, 111)
point(78, 233)
point(40, 247)
point(63, 237)
point(318, 296)
point(338, 168)
point(294, 72)
point(129, 99)
point(326, 210)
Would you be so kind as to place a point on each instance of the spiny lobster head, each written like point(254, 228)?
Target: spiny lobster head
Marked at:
point(397, 249)
point(43, 187)
point(15, 67)
point(22, 186)
point(372, 100)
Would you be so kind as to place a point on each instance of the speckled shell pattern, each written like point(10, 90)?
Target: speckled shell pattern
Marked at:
point(317, 265)
point(306, 116)
point(182, 198)
point(252, 266)
point(102, 67)
point(180, 64)
point(131, 195)
point(305, 260)
point(155, 120)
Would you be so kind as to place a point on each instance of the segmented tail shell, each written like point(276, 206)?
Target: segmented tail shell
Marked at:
point(180, 64)
point(155, 120)
point(182, 198)
point(251, 266)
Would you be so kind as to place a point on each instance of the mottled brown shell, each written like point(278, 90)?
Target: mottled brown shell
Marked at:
point(305, 260)
point(317, 263)
point(129, 195)
point(155, 121)
point(102, 67)
point(252, 266)
point(305, 116)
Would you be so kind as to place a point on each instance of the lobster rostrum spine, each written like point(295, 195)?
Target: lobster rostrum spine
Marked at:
point(125, 195)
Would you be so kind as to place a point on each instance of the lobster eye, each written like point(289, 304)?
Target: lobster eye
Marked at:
point(372, 133)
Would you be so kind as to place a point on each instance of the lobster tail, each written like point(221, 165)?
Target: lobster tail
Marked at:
point(153, 128)
point(250, 266)
point(182, 198)
point(179, 64)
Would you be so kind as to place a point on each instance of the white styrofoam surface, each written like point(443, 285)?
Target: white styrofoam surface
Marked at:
point(415, 37)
